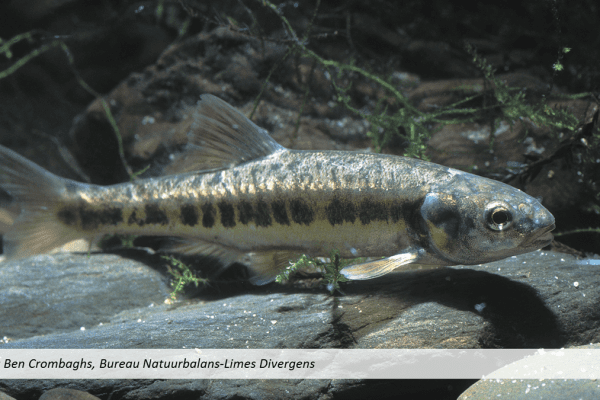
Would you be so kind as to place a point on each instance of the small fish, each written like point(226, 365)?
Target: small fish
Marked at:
point(237, 195)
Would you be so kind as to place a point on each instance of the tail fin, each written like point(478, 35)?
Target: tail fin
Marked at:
point(38, 194)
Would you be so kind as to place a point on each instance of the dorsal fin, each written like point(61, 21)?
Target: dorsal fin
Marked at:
point(220, 137)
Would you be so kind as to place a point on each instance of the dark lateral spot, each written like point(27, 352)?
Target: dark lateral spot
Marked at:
point(154, 215)
point(339, 211)
point(396, 212)
point(372, 211)
point(92, 219)
point(414, 221)
point(262, 216)
point(208, 215)
point(133, 219)
point(227, 214)
point(246, 212)
point(188, 214)
point(67, 216)
point(279, 212)
point(301, 212)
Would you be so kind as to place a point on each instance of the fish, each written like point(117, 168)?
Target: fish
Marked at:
point(236, 195)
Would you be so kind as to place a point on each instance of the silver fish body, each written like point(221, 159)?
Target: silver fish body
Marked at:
point(237, 195)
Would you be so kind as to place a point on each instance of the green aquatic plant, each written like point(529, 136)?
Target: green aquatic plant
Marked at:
point(303, 262)
point(557, 66)
point(512, 102)
point(407, 120)
point(329, 267)
point(574, 231)
point(332, 276)
point(127, 241)
point(181, 276)
point(116, 240)
point(5, 49)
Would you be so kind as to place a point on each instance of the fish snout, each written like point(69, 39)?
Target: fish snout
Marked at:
point(544, 225)
point(544, 219)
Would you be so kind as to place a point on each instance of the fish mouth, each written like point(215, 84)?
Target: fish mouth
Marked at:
point(541, 239)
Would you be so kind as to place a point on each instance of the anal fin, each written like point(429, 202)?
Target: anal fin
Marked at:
point(377, 268)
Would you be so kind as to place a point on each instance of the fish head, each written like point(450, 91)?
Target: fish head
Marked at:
point(474, 220)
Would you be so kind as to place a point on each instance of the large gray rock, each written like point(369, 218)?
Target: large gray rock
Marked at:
point(67, 394)
point(517, 389)
point(50, 294)
point(238, 389)
point(533, 389)
point(541, 299)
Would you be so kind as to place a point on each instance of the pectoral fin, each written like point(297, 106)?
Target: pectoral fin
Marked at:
point(378, 268)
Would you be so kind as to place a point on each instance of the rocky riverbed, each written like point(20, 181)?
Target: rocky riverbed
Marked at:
point(111, 301)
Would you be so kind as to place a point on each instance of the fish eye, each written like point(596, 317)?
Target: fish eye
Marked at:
point(498, 216)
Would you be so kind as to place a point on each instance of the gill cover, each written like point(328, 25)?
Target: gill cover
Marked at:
point(442, 217)
point(442, 222)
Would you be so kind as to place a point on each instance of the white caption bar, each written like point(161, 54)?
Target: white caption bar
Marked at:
point(299, 364)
